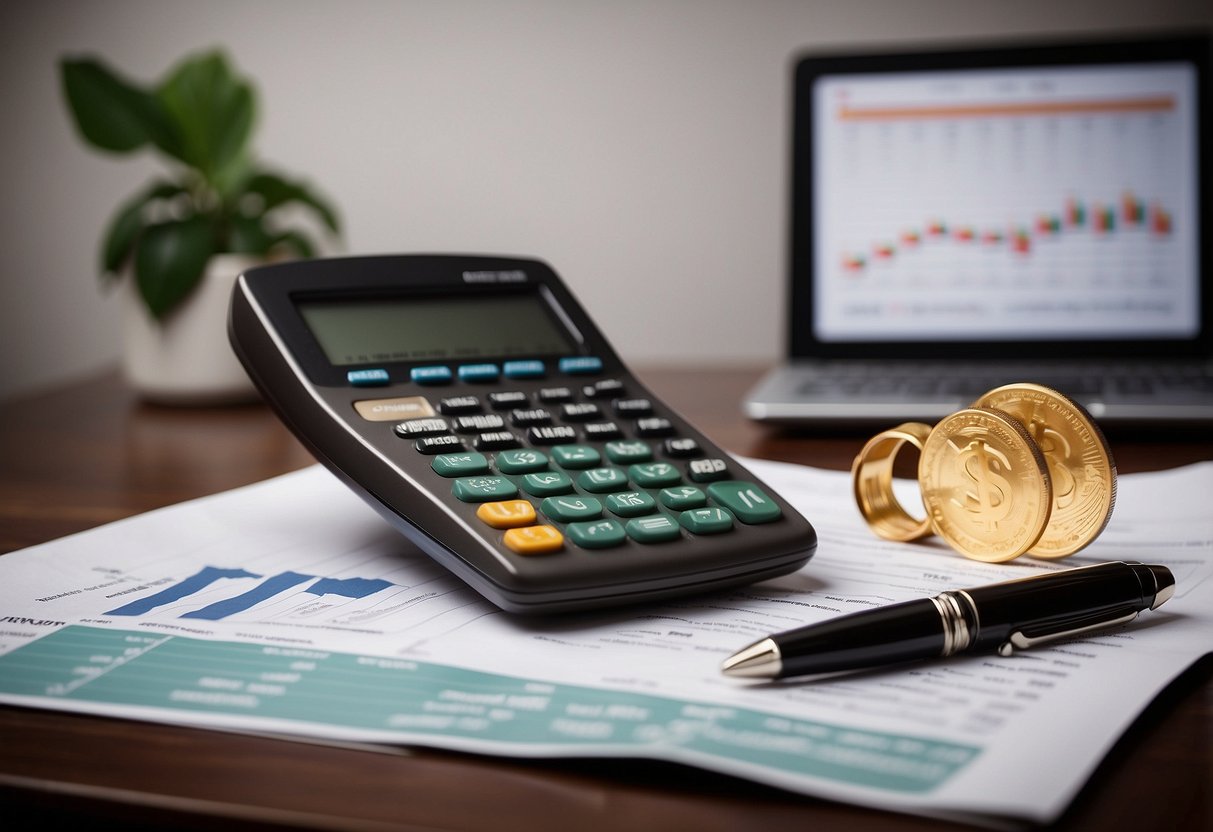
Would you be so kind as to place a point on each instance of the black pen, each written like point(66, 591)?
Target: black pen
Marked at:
point(1004, 617)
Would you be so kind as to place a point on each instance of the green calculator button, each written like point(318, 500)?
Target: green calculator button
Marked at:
point(625, 452)
point(682, 497)
point(483, 489)
point(748, 502)
point(631, 503)
point(656, 528)
point(575, 456)
point(460, 465)
point(571, 507)
point(710, 520)
point(654, 474)
point(597, 534)
point(599, 480)
point(521, 461)
point(547, 483)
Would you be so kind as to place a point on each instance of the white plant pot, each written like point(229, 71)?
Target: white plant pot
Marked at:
point(186, 358)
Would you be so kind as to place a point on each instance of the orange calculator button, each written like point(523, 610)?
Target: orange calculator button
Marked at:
point(534, 540)
point(507, 514)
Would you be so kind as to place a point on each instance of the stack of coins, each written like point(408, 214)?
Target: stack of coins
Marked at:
point(1023, 470)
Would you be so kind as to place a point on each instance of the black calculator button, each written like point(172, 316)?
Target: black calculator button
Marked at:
point(496, 440)
point(551, 434)
point(682, 446)
point(580, 411)
point(506, 399)
point(654, 426)
point(555, 395)
point(439, 444)
point(525, 418)
point(459, 405)
point(633, 408)
point(707, 470)
point(479, 424)
point(601, 431)
point(414, 428)
point(606, 388)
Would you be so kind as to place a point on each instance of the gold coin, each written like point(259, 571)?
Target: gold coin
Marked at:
point(985, 485)
point(1080, 464)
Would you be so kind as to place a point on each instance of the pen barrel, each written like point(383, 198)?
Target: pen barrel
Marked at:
point(894, 633)
point(1058, 600)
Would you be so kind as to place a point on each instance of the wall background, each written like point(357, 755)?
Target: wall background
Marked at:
point(638, 146)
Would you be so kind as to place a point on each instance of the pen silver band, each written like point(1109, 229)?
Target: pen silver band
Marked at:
point(957, 632)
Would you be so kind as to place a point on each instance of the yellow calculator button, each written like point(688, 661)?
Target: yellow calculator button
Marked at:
point(534, 540)
point(507, 514)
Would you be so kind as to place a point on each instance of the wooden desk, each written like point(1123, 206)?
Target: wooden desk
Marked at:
point(91, 453)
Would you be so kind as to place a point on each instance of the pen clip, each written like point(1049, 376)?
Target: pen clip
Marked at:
point(1026, 637)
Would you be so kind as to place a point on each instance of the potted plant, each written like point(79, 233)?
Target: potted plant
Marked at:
point(178, 243)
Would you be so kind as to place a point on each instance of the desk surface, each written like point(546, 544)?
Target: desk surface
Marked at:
point(91, 453)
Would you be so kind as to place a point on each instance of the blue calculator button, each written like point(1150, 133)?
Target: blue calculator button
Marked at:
point(478, 372)
point(430, 375)
point(581, 364)
point(524, 369)
point(367, 378)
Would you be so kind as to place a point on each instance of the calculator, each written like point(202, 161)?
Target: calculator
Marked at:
point(474, 404)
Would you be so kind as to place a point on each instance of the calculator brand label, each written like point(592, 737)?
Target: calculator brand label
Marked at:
point(510, 276)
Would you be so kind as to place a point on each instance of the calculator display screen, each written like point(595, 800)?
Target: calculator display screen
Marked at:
point(430, 328)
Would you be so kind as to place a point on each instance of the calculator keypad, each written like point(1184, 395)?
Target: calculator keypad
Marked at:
point(583, 466)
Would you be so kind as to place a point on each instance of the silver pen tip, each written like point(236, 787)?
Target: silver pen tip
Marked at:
point(761, 660)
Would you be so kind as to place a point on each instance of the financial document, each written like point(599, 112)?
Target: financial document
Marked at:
point(290, 607)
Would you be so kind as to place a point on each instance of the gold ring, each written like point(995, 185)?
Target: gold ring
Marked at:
point(872, 480)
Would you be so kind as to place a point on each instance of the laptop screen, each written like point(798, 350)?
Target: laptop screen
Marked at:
point(1052, 197)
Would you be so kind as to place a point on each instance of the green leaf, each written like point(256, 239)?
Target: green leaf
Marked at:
point(110, 113)
point(296, 241)
point(277, 191)
point(128, 222)
point(213, 110)
point(248, 235)
point(169, 260)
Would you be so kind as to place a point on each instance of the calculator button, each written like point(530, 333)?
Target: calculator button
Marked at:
point(706, 470)
point(483, 489)
point(654, 426)
point(654, 475)
point(367, 378)
point(521, 461)
point(571, 507)
point(525, 418)
point(430, 375)
point(534, 540)
point(459, 405)
point(393, 410)
point(551, 434)
point(495, 440)
point(682, 446)
point(507, 399)
point(633, 408)
point(605, 388)
point(507, 514)
point(600, 480)
point(581, 365)
point(524, 369)
point(625, 453)
point(555, 395)
point(631, 503)
point(547, 483)
point(576, 456)
point(597, 534)
point(460, 464)
point(439, 444)
point(601, 431)
point(748, 502)
point(656, 528)
point(682, 497)
point(479, 372)
point(580, 411)
point(415, 428)
point(710, 520)
point(479, 423)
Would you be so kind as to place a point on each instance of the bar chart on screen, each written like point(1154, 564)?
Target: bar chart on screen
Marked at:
point(964, 200)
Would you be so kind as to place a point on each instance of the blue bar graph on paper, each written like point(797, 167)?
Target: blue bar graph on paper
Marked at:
point(349, 587)
point(264, 590)
point(170, 594)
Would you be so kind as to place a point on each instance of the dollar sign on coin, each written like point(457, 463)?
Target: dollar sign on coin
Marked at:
point(985, 485)
point(1080, 464)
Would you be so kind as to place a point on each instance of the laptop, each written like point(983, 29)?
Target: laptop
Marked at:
point(964, 219)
